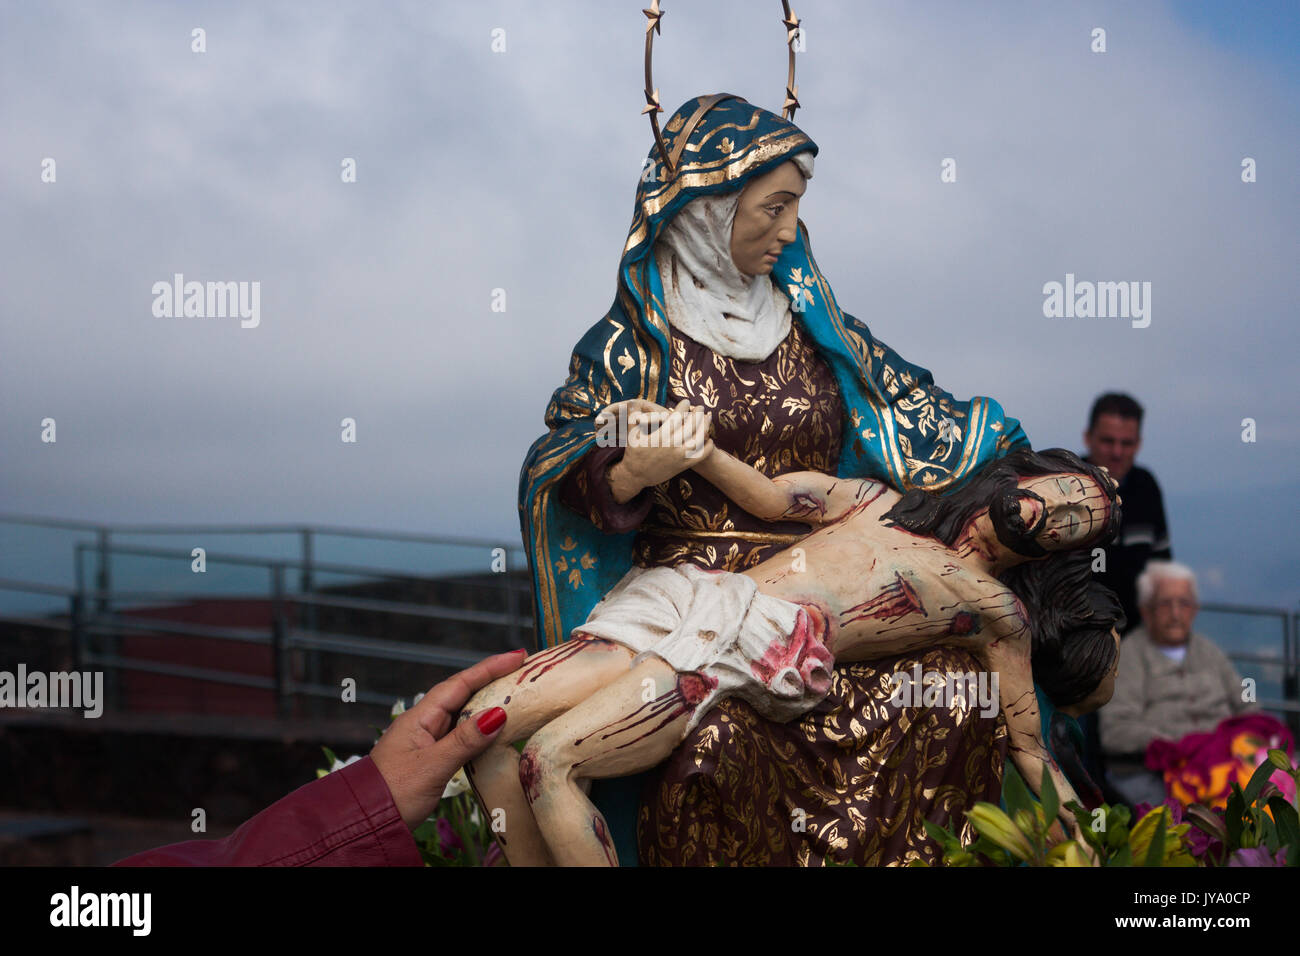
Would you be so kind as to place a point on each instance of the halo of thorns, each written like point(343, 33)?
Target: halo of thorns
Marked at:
point(653, 17)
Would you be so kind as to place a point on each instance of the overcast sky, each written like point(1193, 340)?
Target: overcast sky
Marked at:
point(480, 170)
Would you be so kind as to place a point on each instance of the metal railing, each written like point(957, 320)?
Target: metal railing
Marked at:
point(98, 616)
point(94, 610)
point(1288, 663)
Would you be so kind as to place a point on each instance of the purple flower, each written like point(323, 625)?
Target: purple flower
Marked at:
point(1175, 811)
point(447, 838)
point(1201, 845)
point(1257, 856)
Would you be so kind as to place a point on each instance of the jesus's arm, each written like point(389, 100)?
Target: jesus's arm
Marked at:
point(807, 496)
point(1007, 657)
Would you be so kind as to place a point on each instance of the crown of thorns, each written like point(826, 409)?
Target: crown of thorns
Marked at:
point(670, 159)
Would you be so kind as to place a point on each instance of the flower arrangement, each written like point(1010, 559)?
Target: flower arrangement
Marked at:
point(1259, 827)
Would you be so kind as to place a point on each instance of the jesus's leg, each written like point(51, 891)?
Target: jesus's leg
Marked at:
point(545, 686)
point(627, 727)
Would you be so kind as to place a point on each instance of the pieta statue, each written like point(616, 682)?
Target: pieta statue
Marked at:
point(986, 568)
point(676, 633)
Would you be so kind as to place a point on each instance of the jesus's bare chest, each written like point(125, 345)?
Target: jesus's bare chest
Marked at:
point(886, 591)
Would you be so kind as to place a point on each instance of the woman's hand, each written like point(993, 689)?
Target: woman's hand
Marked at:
point(417, 754)
point(653, 455)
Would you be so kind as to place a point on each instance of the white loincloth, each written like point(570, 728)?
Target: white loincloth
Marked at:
point(718, 624)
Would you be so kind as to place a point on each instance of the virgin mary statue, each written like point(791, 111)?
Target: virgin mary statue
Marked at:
point(793, 383)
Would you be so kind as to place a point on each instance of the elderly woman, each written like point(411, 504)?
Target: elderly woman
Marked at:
point(720, 304)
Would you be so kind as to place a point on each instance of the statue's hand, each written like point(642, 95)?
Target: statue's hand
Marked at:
point(659, 443)
point(612, 414)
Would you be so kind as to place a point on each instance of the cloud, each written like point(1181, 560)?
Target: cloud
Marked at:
point(480, 171)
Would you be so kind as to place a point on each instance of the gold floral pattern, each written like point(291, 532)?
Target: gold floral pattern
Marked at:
point(782, 414)
point(851, 782)
point(570, 566)
point(800, 297)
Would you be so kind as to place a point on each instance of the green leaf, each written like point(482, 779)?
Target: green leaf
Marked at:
point(994, 853)
point(1288, 821)
point(428, 830)
point(1156, 851)
point(463, 830)
point(1233, 818)
point(1121, 857)
point(1116, 834)
point(944, 838)
point(1267, 831)
point(434, 856)
point(1048, 795)
point(1015, 793)
point(1083, 817)
point(1257, 781)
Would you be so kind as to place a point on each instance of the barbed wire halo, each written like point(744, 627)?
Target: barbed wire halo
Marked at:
point(653, 17)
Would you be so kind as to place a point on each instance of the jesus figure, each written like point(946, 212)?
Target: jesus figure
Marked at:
point(880, 574)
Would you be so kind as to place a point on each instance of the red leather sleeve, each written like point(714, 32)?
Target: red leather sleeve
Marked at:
point(346, 818)
point(586, 490)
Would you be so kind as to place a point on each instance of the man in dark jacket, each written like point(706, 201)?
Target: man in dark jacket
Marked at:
point(1113, 437)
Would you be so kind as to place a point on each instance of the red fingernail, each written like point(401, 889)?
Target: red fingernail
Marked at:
point(491, 721)
point(520, 650)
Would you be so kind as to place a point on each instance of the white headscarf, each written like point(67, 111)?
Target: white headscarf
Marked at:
point(706, 296)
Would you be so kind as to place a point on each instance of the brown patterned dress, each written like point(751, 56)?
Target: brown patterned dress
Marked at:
point(853, 779)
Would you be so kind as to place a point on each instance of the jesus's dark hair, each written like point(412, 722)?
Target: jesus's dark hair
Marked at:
point(1070, 614)
point(944, 516)
point(1071, 617)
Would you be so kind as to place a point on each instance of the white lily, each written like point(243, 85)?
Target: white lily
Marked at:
point(399, 705)
point(456, 785)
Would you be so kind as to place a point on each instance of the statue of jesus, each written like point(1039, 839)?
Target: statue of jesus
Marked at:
point(880, 574)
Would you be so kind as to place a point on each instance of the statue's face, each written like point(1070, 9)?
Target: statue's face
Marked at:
point(1077, 510)
point(766, 219)
point(1172, 609)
